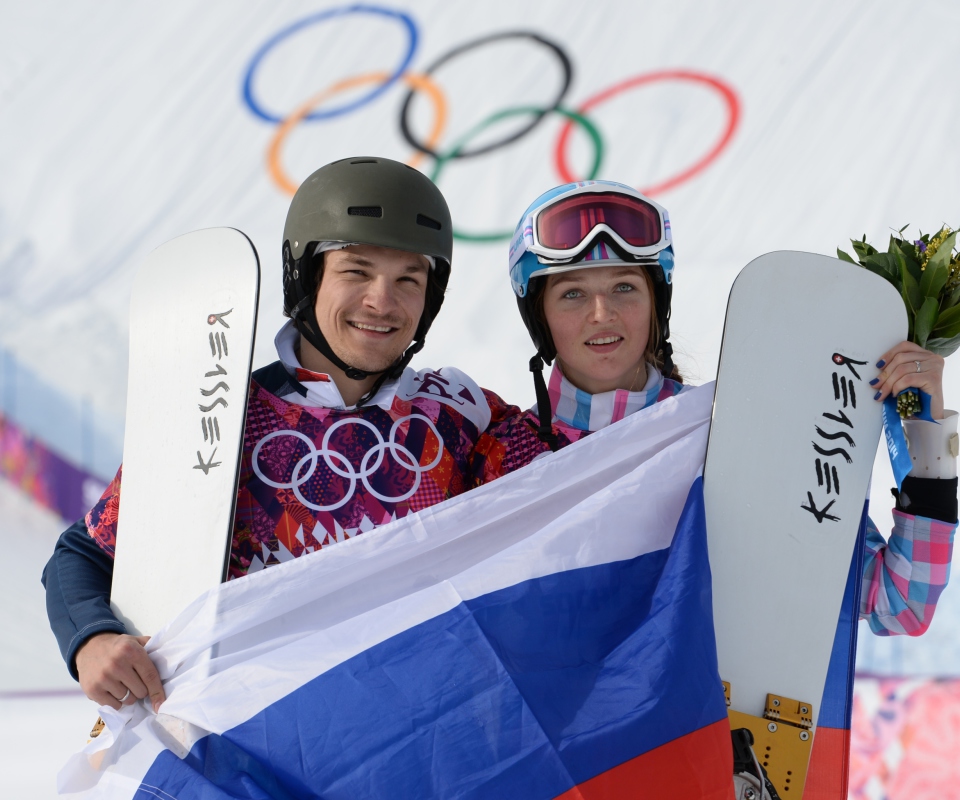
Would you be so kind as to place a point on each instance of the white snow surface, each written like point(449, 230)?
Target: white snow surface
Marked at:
point(44, 718)
point(125, 125)
point(29, 658)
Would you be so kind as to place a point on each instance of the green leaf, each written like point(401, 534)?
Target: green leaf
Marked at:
point(885, 264)
point(844, 256)
point(944, 331)
point(944, 346)
point(892, 279)
point(909, 288)
point(952, 299)
point(926, 319)
point(862, 248)
point(933, 280)
point(897, 242)
point(913, 266)
point(947, 319)
point(942, 257)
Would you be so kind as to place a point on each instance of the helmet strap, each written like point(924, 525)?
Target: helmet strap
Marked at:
point(392, 372)
point(544, 409)
point(305, 318)
point(666, 356)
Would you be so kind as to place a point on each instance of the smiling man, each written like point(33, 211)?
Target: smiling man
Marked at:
point(371, 304)
point(341, 434)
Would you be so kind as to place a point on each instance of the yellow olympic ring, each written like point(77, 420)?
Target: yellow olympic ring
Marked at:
point(415, 81)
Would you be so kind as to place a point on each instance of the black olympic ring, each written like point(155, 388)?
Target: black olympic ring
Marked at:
point(523, 131)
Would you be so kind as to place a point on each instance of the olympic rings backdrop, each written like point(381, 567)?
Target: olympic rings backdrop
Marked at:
point(321, 107)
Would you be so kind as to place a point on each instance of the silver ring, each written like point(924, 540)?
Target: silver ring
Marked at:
point(918, 365)
point(124, 698)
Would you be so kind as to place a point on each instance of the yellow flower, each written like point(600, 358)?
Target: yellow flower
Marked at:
point(934, 245)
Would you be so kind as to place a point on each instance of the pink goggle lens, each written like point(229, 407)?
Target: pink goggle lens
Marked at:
point(565, 225)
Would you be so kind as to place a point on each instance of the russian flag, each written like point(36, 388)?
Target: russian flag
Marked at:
point(828, 774)
point(549, 635)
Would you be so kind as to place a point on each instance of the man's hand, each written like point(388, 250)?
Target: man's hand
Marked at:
point(115, 670)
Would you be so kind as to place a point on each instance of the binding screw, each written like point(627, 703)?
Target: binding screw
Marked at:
point(749, 794)
point(804, 735)
point(772, 727)
point(776, 702)
point(804, 710)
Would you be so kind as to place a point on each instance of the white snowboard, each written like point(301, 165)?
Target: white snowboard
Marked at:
point(192, 323)
point(792, 445)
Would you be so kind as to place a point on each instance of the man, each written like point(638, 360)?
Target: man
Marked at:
point(341, 435)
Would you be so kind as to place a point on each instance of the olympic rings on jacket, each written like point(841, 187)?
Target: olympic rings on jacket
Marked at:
point(727, 94)
point(572, 117)
point(401, 455)
point(565, 66)
point(323, 16)
point(418, 82)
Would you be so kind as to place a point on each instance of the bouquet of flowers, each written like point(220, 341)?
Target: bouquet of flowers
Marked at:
point(926, 272)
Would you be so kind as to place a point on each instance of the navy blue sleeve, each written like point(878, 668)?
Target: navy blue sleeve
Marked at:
point(77, 579)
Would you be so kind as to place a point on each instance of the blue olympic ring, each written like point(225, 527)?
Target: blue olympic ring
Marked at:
point(336, 111)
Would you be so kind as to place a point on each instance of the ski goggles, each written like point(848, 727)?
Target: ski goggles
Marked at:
point(568, 225)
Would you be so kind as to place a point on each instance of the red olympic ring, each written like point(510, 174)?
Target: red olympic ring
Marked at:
point(726, 93)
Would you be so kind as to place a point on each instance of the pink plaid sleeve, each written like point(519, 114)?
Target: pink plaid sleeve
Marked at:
point(903, 578)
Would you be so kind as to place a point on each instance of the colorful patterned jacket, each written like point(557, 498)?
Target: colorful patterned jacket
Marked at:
point(312, 474)
point(902, 578)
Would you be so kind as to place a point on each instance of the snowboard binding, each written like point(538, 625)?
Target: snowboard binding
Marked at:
point(750, 780)
point(771, 753)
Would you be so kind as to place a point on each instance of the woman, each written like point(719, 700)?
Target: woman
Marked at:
point(592, 267)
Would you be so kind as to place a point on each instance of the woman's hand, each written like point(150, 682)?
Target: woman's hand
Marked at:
point(909, 366)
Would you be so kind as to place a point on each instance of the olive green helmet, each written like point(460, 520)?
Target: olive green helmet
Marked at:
point(368, 200)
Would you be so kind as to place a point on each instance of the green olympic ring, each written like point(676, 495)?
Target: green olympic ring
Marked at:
point(464, 140)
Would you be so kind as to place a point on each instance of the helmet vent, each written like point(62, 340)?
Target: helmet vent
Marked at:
point(427, 222)
point(365, 211)
point(364, 161)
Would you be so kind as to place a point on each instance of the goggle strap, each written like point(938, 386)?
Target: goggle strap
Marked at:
point(521, 242)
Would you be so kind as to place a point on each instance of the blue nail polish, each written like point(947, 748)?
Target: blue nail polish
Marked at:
point(876, 396)
point(875, 381)
point(880, 364)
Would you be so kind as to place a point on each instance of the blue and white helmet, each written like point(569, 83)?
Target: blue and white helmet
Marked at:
point(600, 244)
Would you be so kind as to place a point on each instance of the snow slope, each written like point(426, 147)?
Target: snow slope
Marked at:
point(29, 658)
point(44, 716)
